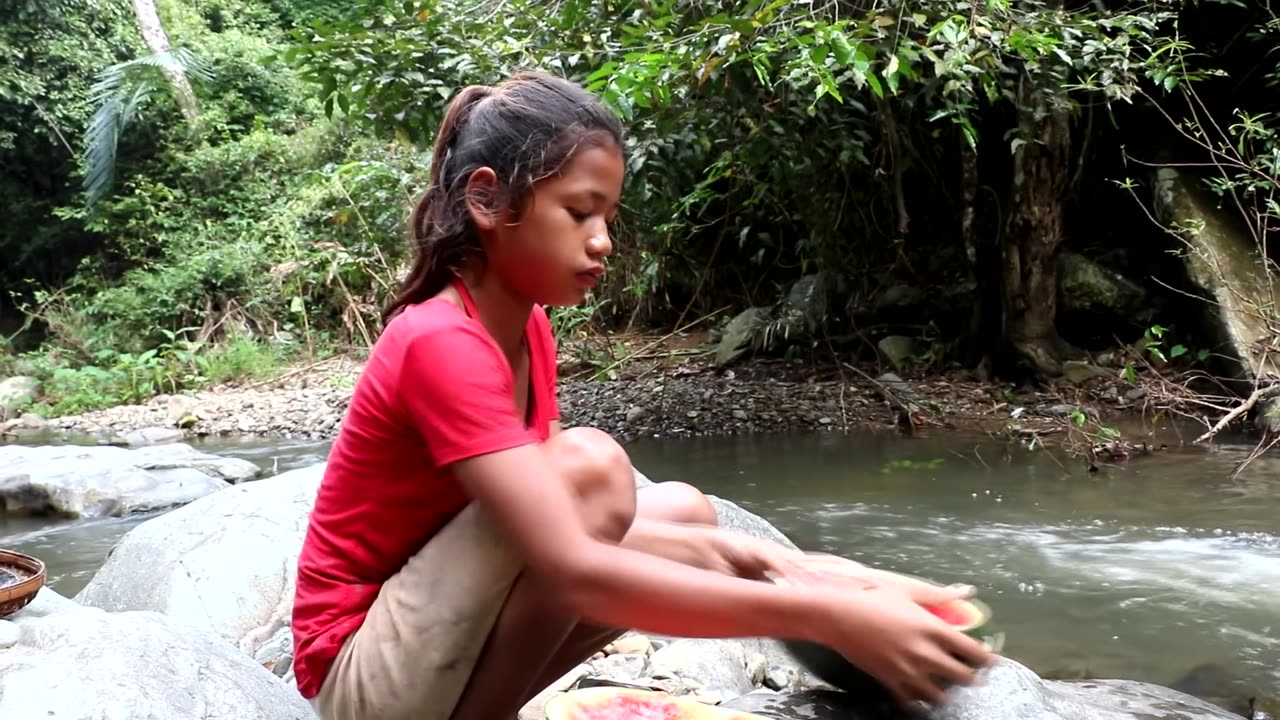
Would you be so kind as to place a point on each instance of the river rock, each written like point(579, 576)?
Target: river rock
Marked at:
point(741, 334)
point(623, 668)
point(76, 663)
point(1008, 691)
point(1087, 288)
point(630, 644)
point(153, 436)
point(742, 662)
point(226, 563)
point(96, 481)
point(899, 350)
point(1216, 684)
point(714, 670)
point(1224, 263)
point(16, 392)
point(733, 517)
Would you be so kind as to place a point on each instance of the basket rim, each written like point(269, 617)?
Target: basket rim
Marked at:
point(20, 593)
point(33, 565)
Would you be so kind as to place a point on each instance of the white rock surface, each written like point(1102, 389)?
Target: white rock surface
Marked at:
point(101, 481)
point(75, 663)
point(226, 563)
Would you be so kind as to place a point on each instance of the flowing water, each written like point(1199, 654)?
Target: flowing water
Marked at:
point(1143, 571)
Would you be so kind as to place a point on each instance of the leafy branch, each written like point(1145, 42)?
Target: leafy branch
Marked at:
point(119, 93)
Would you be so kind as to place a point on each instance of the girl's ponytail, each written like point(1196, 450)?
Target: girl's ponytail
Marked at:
point(434, 262)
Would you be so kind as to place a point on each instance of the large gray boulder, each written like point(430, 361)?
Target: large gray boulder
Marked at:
point(81, 481)
point(204, 593)
point(1008, 691)
point(1226, 265)
point(76, 663)
point(226, 563)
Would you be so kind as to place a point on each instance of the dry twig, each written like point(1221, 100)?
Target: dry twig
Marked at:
point(1254, 398)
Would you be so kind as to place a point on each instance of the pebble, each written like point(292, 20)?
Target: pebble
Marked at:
point(710, 671)
point(620, 667)
point(751, 398)
point(779, 678)
point(630, 644)
point(698, 404)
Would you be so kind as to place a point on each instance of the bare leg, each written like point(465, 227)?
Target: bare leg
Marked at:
point(670, 502)
point(530, 646)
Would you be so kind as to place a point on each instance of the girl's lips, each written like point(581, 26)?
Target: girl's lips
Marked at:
point(590, 277)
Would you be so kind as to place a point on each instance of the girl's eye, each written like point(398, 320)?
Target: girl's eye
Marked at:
point(579, 215)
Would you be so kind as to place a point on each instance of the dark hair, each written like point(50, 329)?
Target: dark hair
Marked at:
point(525, 129)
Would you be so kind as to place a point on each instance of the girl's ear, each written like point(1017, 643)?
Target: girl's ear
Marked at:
point(481, 196)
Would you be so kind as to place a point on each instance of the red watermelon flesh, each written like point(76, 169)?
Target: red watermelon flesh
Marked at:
point(951, 613)
point(630, 707)
point(609, 703)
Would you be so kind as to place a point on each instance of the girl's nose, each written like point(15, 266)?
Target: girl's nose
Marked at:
point(599, 245)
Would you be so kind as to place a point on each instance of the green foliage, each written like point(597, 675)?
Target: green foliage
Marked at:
point(48, 53)
point(263, 233)
point(119, 93)
point(765, 135)
point(70, 385)
point(253, 226)
point(767, 139)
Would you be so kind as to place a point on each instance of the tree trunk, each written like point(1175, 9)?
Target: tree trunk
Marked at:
point(1033, 234)
point(157, 41)
point(982, 250)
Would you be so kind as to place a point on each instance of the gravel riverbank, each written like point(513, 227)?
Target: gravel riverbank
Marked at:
point(688, 400)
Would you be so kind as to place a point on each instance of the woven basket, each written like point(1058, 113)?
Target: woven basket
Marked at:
point(15, 597)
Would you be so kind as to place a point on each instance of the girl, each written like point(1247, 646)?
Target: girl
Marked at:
point(464, 552)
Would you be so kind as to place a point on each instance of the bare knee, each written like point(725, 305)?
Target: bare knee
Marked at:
point(599, 472)
point(674, 501)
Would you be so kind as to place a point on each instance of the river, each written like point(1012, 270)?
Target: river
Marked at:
point(1142, 571)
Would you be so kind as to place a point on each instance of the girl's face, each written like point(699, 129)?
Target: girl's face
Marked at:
point(554, 253)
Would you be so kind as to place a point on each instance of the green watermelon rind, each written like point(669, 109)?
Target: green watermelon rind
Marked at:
point(832, 668)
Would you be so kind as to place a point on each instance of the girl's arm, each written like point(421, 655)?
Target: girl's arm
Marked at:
point(615, 586)
point(709, 548)
point(458, 394)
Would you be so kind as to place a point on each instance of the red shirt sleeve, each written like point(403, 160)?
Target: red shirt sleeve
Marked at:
point(456, 387)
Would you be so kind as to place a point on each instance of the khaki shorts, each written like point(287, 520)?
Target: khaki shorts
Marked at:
point(415, 652)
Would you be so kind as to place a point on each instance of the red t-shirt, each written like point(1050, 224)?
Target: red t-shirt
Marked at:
point(436, 390)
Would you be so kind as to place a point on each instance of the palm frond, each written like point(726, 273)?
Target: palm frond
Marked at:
point(119, 92)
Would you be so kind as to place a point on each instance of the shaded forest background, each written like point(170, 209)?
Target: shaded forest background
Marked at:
point(200, 190)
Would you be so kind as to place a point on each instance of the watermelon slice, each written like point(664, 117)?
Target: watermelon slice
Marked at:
point(967, 615)
point(614, 703)
point(964, 615)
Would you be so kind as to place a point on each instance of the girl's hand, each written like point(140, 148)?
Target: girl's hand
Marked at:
point(745, 556)
point(742, 555)
point(886, 633)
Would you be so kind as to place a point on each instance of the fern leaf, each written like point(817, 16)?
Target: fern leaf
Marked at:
point(119, 92)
